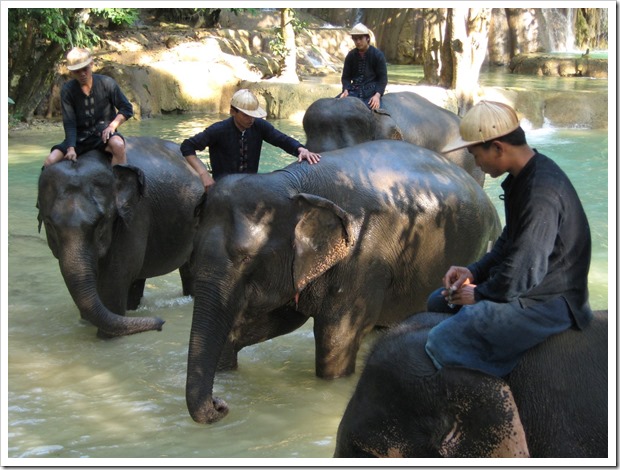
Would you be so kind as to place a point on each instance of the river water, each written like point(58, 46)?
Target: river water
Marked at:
point(72, 395)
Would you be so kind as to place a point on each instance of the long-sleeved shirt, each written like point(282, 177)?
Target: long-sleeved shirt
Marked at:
point(365, 74)
point(225, 146)
point(544, 250)
point(84, 115)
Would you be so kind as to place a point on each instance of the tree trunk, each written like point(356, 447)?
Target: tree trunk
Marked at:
point(289, 70)
point(433, 22)
point(34, 86)
point(470, 32)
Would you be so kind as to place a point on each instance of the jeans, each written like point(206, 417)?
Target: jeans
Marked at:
point(491, 336)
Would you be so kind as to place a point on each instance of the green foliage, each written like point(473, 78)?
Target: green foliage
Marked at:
point(277, 45)
point(64, 26)
point(118, 16)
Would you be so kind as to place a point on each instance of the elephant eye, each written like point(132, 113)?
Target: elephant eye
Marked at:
point(246, 259)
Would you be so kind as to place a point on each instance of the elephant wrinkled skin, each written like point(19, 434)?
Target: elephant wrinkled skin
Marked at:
point(111, 228)
point(553, 404)
point(334, 123)
point(356, 241)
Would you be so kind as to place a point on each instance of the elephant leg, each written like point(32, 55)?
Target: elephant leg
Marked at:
point(336, 345)
point(136, 291)
point(344, 320)
point(187, 279)
point(228, 358)
point(115, 290)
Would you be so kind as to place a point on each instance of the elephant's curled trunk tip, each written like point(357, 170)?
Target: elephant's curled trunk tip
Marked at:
point(132, 327)
point(215, 411)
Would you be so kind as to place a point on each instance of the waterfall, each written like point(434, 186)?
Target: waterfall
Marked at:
point(358, 14)
point(559, 29)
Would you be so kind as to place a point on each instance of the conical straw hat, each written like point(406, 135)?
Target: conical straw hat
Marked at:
point(245, 101)
point(486, 121)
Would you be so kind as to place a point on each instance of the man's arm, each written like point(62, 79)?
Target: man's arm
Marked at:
point(201, 169)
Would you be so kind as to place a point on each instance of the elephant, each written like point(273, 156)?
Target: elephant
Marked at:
point(553, 404)
point(111, 227)
point(333, 123)
point(355, 241)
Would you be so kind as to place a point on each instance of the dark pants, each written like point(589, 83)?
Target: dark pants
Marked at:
point(363, 95)
point(92, 142)
point(491, 336)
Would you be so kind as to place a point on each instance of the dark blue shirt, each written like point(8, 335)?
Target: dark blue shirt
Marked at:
point(83, 116)
point(225, 148)
point(365, 74)
point(545, 248)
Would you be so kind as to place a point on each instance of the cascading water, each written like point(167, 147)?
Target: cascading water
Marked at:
point(557, 23)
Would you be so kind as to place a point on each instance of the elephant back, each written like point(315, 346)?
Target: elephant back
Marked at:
point(334, 123)
point(164, 169)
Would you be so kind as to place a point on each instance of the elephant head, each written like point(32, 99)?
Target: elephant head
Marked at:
point(334, 123)
point(254, 255)
point(86, 206)
point(404, 407)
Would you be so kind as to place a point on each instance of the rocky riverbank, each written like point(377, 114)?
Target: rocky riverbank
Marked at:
point(167, 69)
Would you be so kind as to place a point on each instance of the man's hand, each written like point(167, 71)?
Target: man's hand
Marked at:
point(310, 157)
point(344, 94)
point(375, 101)
point(71, 155)
point(207, 180)
point(107, 133)
point(459, 289)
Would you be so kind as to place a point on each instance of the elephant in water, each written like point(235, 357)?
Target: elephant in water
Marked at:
point(553, 404)
point(334, 123)
point(112, 227)
point(355, 241)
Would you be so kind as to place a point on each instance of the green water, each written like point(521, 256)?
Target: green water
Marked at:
point(71, 395)
point(499, 77)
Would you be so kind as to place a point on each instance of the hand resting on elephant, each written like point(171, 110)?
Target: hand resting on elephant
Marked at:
point(111, 228)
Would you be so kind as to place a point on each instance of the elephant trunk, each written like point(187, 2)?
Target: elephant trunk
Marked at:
point(78, 270)
point(211, 325)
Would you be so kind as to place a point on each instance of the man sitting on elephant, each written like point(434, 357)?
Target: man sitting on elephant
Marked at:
point(364, 74)
point(235, 143)
point(93, 107)
point(534, 282)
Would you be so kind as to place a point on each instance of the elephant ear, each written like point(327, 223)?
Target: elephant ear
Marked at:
point(129, 188)
point(485, 418)
point(323, 237)
point(385, 126)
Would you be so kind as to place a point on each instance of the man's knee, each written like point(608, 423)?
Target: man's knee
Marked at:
point(438, 303)
point(55, 156)
point(116, 145)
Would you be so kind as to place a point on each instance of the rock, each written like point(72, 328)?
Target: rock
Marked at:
point(558, 65)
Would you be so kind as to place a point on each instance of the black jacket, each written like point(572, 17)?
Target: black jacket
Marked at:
point(83, 115)
point(374, 76)
point(545, 248)
point(224, 141)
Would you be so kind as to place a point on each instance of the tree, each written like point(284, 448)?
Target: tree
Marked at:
point(469, 32)
point(284, 45)
point(289, 69)
point(37, 40)
point(455, 46)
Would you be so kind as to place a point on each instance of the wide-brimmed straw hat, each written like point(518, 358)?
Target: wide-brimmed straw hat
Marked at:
point(359, 30)
point(486, 121)
point(78, 58)
point(245, 101)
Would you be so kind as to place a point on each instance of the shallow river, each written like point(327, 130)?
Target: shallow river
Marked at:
point(72, 395)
